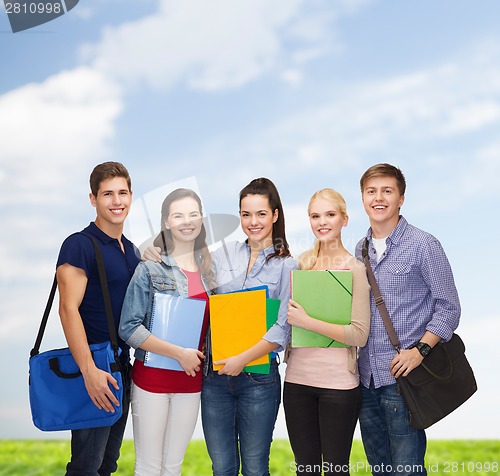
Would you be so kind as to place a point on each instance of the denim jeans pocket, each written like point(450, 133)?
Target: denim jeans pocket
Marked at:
point(261, 379)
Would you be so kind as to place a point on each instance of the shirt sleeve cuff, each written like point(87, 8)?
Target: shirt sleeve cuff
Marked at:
point(138, 337)
point(277, 336)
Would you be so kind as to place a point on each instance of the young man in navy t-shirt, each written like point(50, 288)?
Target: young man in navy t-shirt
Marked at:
point(95, 451)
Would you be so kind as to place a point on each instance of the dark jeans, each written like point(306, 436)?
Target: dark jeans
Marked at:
point(392, 445)
point(321, 425)
point(238, 416)
point(95, 451)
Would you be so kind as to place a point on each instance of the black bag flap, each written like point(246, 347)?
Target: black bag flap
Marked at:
point(440, 362)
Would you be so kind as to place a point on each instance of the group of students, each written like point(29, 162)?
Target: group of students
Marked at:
point(326, 390)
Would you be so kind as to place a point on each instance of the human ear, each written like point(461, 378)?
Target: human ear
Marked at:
point(275, 216)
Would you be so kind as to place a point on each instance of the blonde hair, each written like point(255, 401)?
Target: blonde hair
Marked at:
point(308, 259)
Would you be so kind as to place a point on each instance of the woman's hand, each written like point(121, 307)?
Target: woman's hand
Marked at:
point(152, 253)
point(190, 360)
point(233, 366)
point(297, 316)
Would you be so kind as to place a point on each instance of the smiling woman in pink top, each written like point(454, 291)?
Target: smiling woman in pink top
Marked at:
point(321, 394)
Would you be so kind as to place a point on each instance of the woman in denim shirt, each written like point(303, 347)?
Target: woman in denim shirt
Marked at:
point(165, 403)
point(239, 409)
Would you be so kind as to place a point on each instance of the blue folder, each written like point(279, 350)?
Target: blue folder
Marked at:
point(176, 320)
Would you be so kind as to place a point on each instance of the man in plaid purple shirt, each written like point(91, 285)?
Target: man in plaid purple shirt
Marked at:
point(416, 282)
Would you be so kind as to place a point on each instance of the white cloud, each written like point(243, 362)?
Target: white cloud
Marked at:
point(187, 41)
point(472, 116)
point(219, 44)
point(293, 77)
point(419, 111)
point(52, 134)
point(62, 123)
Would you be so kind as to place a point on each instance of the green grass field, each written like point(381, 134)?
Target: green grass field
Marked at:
point(48, 458)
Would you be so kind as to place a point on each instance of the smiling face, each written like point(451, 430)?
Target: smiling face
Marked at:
point(184, 220)
point(382, 201)
point(257, 220)
point(326, 219)
point(112, 205)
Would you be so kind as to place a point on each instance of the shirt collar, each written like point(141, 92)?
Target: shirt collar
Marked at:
point(97, 232)
point(396, 234)
point(267, 251)
point(169, 260)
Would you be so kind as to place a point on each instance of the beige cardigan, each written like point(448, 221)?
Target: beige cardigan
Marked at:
point(356, 333)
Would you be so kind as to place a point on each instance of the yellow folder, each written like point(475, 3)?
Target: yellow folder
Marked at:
point(237, 322)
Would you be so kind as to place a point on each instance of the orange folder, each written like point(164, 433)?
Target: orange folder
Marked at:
point(237, 322)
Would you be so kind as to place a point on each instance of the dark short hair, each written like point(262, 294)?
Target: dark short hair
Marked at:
point(106, 171)
point(387, 170)
point(264, 186)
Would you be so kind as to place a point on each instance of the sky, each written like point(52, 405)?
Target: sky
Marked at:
point(215, 93)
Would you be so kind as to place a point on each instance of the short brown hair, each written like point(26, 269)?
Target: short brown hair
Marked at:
point(384, 170)
point(106, 171)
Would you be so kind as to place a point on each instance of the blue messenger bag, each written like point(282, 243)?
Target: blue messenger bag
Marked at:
point(58, 397)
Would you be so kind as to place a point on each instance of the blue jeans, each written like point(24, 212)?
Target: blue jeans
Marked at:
point(392, 445)
point(95, 451)
point(241, 409)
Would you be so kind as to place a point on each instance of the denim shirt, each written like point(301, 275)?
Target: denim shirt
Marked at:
point(149, 278)
point(230, 264)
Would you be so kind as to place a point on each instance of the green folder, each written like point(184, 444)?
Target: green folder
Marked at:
point(272, 310)
point(324, 295)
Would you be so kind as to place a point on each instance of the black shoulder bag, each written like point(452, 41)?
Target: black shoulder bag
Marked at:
point(441, 383)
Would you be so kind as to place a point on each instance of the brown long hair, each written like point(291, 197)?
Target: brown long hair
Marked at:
point(165, 241)
point(264, 186)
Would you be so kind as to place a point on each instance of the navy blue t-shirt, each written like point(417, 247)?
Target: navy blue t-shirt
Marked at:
point(78, 251)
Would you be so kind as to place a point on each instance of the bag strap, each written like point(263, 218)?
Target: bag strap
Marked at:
point(43, 324)
point(107, 304)
point(379, 300)
point(107, 298)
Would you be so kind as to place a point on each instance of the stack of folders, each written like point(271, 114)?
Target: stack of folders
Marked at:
point(238, 321)
point(324, 295)
point(176, 320)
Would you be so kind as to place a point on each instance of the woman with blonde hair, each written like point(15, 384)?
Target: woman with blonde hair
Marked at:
point(321, 395)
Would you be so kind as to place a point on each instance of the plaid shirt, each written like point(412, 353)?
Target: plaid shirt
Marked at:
point(416, 282)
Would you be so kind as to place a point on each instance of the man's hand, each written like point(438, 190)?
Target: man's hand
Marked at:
point(97, 383)
point(404, 362)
